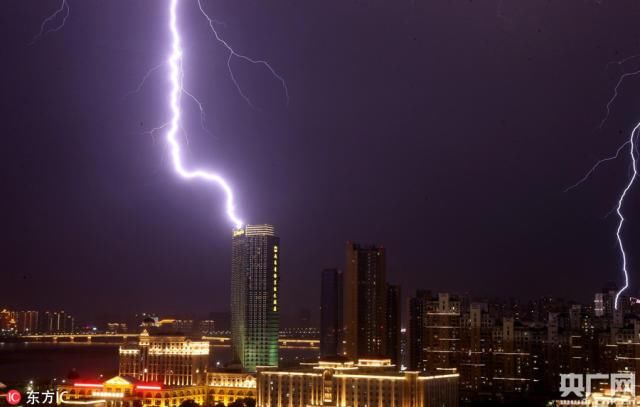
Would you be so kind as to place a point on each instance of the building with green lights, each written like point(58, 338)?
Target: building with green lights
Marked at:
point(255, 274)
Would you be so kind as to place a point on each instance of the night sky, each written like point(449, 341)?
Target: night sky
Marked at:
point(444, 130)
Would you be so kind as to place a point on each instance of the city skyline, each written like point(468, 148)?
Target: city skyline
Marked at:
point(327, 203)
point(437, 139)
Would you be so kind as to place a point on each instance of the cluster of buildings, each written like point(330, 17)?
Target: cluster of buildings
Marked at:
point(32, 322)
point(502, 350)
point(453, 348)
point(360, 312)
point(167, 369)
point(506, 350)
point(359, 365)
point(185, 326)
point(163, 369)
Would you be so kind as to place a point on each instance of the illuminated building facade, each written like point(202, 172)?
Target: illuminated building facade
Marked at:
point(442, 336)
point(498, 356)
point(515, 357)
point(7, 323)
point(369, 383)
point(33, 322)
point(226, 387)
point(476, 344)
point(56, 322)
point(255, 277)
point(364, 302)
point(434, 322)
point(116, 327)
point(207, 326)
point(19, 322)
point(166, 359)
point(163, 370)
point(604, 301)
point(26, 322)
point(126, 392)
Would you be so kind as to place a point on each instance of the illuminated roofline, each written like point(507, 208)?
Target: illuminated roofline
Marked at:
point(259, 230)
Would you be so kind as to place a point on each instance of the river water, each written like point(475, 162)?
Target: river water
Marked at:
point(42, 362)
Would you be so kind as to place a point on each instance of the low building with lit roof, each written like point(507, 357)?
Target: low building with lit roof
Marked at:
point(169, 359)
point(367, 383)
point(127, 392)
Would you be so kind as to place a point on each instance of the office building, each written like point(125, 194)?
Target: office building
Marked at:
point(364, 302)
point(330, 312)
point(393, 310)
point(417, 313)
point(255, 277)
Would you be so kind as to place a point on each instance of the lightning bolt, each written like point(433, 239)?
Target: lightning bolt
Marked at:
point(144, 80)
point(233, 53)
point(615, 93)
point(596, 165)
point(64, 9)
point(195, 100)
point(631, 143)
point(633, 150)
point(621, 219)
point(176, 75)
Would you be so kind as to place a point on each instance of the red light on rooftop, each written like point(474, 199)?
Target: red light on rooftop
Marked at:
point(88, 384)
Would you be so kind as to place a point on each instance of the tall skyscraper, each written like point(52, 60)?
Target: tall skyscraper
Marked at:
point(56, 322)
point(442, 333)
point(417, 319)
point(255, 274)
point(330, 312)
point(364, 302)
point(393, 323)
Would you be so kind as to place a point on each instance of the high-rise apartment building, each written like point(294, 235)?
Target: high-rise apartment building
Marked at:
point(364, 302)
point(497, 353)
point(434, 323)
point(56, 322)
point(417, 315)
point(604, 301)
point(330, 312)
point(27, 322)
point(393, 323)
point(442, 336)
point(255, 276)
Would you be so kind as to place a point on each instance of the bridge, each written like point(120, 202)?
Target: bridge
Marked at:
point(121, 338)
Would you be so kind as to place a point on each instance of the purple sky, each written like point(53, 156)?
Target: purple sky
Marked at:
point(444, 130)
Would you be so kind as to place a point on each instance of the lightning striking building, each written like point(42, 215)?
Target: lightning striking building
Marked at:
point(255, 275)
